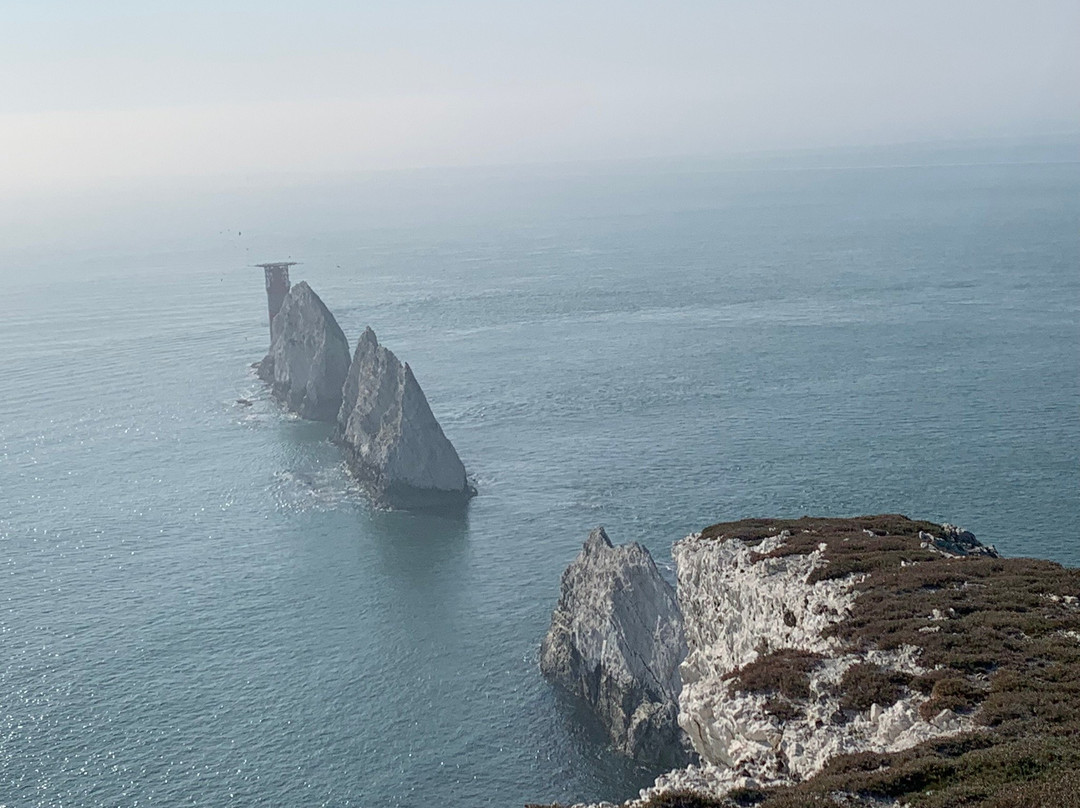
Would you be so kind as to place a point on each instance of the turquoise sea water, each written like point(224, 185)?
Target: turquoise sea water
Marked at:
point(199, 609)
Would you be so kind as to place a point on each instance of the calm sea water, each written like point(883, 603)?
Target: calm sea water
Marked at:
point(199, 609)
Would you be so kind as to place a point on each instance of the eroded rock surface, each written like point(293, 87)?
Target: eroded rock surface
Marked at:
point(393, 444)
point(882, 637)
point(309, 356)
point(763, 698)
point(616, 641)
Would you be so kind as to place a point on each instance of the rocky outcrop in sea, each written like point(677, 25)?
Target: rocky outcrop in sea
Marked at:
point(393, 444)
point(871, 661)
point(308, 358)
point(616, 640)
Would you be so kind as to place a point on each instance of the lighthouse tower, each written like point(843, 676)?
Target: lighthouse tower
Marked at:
point(277, 286)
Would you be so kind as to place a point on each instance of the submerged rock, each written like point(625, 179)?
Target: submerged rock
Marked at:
point(309, 356)
point(616, 641)
point(393, 444)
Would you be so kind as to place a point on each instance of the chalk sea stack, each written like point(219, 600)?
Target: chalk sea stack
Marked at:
point(393, 444)
point(616, 641)
point(309, 356)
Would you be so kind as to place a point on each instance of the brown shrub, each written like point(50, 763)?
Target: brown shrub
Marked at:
point(864, 685)
point(956, 693)
point(786, 672)
point(782, 709)
point(685, 799)
point(754, 530)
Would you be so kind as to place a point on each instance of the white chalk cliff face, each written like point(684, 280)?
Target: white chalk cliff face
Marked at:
point(616, 641)
point(393, 444)
point(308, 358)
point(739, 607)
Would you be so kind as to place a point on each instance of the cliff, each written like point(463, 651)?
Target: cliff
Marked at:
point(308, 358)
point(870, 661)
point(616, 640)
point(393, 444)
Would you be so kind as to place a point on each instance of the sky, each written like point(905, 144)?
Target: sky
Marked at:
point(144, 91)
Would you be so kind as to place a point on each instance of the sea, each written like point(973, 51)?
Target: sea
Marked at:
point(199, 608)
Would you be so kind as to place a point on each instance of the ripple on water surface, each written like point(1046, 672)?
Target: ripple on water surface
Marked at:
point(201, 609)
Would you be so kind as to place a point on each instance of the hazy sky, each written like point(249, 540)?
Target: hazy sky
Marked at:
point(104, 89)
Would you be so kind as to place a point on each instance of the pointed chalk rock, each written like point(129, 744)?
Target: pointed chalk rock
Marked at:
point(309, 356)
point(393, 444)
point(616, 641)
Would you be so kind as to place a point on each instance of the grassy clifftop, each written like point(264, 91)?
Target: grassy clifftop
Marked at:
point(1000, 639)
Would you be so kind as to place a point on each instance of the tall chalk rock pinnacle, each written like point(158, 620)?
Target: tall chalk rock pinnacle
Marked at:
point(393, 444)
point(309, 356)
point(616, 641)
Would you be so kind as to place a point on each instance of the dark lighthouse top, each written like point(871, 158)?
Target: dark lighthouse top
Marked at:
point(277, 286)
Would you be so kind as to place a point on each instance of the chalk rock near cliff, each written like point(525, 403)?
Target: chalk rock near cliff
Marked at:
point(309, 356)
point(393, 444)
point(616, 641)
